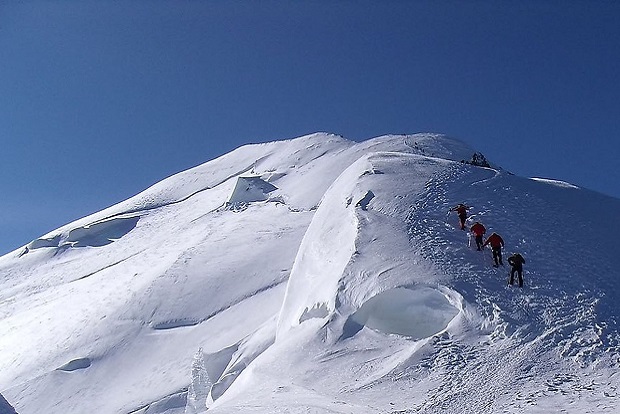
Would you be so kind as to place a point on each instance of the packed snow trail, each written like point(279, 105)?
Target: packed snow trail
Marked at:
point(540, 317)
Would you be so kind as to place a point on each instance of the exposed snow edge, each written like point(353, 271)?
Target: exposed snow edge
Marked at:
point(324, 265)
point(326, 249)
point(558, 183)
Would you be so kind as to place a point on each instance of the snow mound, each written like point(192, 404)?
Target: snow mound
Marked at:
point(416, 313)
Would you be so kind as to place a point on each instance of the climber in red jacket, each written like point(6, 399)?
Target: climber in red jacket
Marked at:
point(496, 242)
point(478, 230)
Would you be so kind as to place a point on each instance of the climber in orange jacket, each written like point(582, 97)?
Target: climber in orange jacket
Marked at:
point(478, 230)
point(496, 242)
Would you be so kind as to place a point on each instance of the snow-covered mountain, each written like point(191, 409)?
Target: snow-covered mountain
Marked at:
point(319, 275)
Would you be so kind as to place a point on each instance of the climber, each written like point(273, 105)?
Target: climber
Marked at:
point(478, 230)
point(461, 210)
point(516, 261)
point(496, 242)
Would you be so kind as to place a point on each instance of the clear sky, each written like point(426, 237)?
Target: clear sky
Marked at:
point(101, 99)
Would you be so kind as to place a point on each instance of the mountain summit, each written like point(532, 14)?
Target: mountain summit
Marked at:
point(320, 275)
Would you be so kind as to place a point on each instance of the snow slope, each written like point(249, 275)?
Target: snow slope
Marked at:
point(319, 275)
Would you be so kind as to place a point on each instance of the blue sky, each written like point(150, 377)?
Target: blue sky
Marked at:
point(101, 99)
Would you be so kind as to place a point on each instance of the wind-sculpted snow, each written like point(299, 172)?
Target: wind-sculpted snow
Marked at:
point(343, 260)
point(96, 234)
point(45, 242)
point(343, 285)
point(102, 233)
point(250, 189)
point(415, 313)
point(74, 365)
